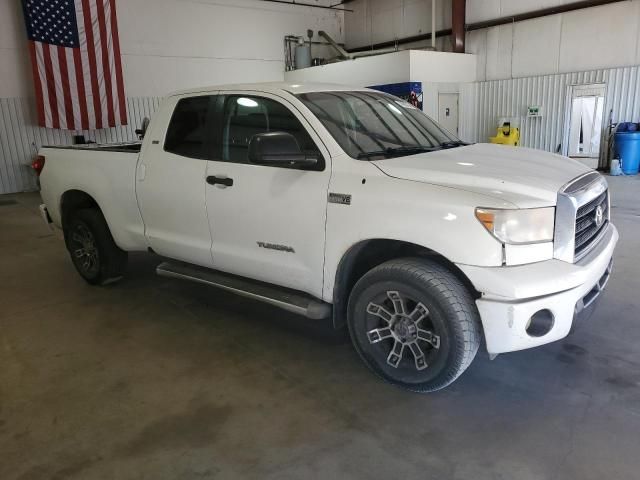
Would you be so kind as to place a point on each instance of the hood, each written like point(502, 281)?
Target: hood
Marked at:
point(519, 176)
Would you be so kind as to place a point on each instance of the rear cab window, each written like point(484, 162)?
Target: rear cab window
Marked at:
point(188, 134)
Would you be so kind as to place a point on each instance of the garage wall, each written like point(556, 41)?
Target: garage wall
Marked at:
point(166, 45)
point(595, 38)
point(484, 103)
point(20, 139)
point(525, 63)
point(375, 21)
point(592, 38)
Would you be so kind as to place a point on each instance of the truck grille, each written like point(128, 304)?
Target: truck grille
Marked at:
point(591, 220)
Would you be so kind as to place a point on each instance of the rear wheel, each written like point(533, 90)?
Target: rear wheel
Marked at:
point(414, 324)
point(93, 252)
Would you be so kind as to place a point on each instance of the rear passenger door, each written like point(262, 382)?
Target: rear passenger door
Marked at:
point(267, 222)
point(171, 179)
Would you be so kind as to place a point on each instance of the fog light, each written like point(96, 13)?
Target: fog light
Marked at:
point(540, 323)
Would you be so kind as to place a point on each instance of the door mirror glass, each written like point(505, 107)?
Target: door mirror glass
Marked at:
point(278, 149)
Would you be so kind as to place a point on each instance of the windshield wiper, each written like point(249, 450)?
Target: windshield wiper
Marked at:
point(453, 144)
point(397, 151)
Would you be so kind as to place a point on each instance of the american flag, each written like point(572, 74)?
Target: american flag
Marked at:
point(75, 57)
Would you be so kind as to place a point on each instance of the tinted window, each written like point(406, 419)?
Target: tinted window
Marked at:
point(245, 117)
point(365, 123)
point(186, 134)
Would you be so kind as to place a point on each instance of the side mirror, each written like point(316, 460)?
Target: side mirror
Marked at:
point(278, 149)
point(143, 129)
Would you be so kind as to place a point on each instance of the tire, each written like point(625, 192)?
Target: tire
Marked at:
point(428, 331)
point(93, 252)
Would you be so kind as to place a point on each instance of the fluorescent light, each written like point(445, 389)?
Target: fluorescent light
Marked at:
point(247, 102)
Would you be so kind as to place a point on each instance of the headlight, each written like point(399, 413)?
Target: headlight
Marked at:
point(517, 227)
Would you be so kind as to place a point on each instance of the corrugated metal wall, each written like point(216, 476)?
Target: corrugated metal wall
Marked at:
point(20, 139)
point(484, 103)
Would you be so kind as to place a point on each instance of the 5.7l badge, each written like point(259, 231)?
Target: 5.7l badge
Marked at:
point(341, 198)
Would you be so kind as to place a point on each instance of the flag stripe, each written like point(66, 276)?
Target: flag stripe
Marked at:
point(57, 83)
point(104, 41)
point(118, 60)
point(90, 45)
point(38, 83)
point(112, 62)
point(51, 86)
point(73, 88)
point(86, 66)
point(48, 119)
point(97, 50)
point(66, 88)
point(82, 94)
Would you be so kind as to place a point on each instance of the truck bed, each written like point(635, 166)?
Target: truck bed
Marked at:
point(105, 172)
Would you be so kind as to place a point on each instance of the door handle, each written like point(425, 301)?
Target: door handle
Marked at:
point(225, 182)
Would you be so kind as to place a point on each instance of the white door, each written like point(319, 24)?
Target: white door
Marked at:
point(585, 123)
point(448, 111)
point(171, 183)
point(267, 223)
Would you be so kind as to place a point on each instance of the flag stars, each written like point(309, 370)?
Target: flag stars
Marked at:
point(52, 21)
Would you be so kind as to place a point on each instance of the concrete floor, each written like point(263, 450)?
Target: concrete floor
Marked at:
point(158, 379)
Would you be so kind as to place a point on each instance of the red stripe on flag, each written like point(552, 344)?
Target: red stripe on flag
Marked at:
point(82, 94)
point(38, 82)
point(95, 89)
point(104, 42)
point(116, 55)
point(66, 88)
point(51, 88)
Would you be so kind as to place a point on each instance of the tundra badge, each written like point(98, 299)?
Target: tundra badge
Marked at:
point(273, 246)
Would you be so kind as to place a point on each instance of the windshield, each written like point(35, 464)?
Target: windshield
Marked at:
point(369, 125)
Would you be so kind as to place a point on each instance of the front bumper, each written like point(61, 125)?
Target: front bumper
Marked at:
point(512, 295)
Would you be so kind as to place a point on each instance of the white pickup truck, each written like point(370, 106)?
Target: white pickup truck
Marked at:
point(348, 203)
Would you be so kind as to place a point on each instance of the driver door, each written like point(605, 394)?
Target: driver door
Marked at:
point(267, 222)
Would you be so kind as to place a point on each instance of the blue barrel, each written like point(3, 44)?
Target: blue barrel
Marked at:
point(628, 147)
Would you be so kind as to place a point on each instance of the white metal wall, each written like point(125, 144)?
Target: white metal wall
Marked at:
point(484, 103)
point(20, 139)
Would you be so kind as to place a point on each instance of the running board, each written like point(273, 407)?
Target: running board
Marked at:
point(287, 299)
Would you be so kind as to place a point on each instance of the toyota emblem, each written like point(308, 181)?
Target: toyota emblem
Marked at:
point(599, 216)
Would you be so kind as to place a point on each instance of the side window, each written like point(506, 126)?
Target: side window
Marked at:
point(186, 134)
point(245, 117)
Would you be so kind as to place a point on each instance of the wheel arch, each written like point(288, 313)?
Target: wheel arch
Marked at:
point(368, 254)
point(72, 201)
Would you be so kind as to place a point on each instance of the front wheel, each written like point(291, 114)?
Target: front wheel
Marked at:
point(93, 252)
point(414, 324)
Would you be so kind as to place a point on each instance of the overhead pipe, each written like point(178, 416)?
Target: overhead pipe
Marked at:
point(401, 41)
point(343, 54)
point(312, 5)
point(544, 12)
point(569, 7)
point(337, 47)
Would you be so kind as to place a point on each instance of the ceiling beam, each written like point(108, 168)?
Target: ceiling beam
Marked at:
point(458, 19)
